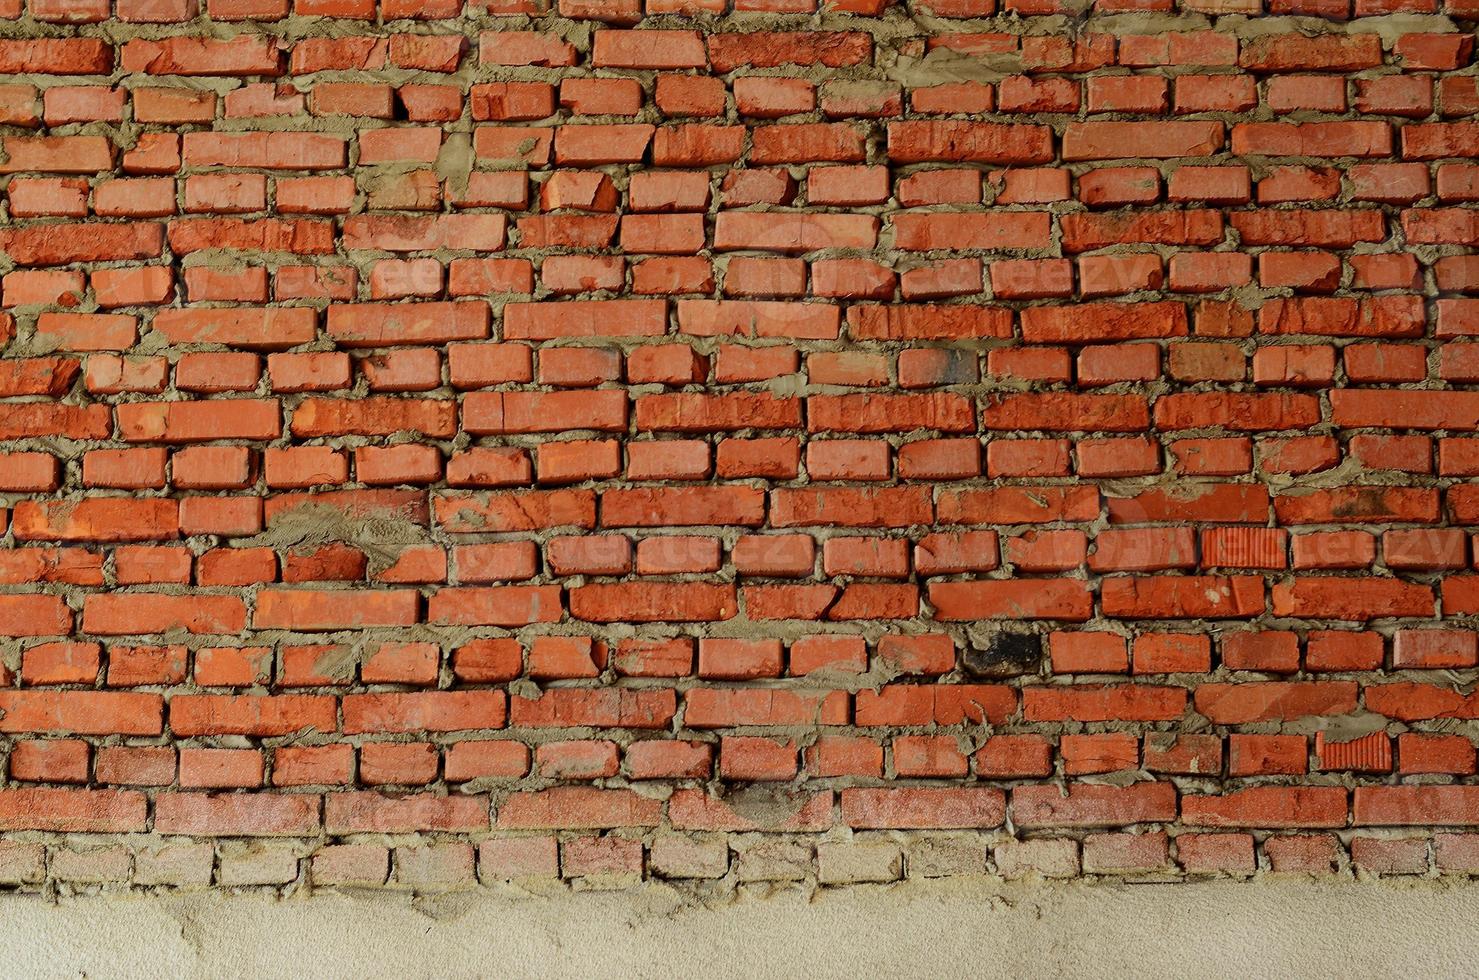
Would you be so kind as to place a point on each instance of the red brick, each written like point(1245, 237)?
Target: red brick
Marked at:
point(1414, 806)
point(1090, 805)
point(1268, 806)
point(350, 813)
point(236, 815)
point(73, 810)
point(923, 807)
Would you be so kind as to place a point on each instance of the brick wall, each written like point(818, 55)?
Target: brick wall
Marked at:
point(444, 443)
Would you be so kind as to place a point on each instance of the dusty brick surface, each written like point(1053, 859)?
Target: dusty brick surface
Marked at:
point(575, 441)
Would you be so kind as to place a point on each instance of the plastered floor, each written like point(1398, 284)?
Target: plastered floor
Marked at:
point(1290, 928)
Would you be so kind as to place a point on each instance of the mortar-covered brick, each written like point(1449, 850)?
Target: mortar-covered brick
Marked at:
point(1313, 854)
point(174, 865)
point(940, 856)
point(851, 862)
point(351, 864)
point(1125, 853)
point(773, 859)
point(435, 867)
point(608, 857)
point(22, 863)
point(1394, 856)
point(1049, 857)
point(517, 858)
point(677, 856)
point(244, 864)
point(90, 865)
point(1207, 853)
point(588, 441)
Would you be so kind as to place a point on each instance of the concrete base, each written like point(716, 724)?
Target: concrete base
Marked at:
point(976, 928)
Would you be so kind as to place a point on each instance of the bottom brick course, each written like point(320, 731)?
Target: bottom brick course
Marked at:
point(715, 863)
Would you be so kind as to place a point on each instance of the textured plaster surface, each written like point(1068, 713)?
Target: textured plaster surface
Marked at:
point(1272, 928)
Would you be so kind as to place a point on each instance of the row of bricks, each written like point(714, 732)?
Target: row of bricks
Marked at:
point(779, 556)
point(647, 195)
point(614, 859)
point(550, 657)
point(249, 54)
point(471, 366)
point(866, 860)
point(1082, 805)
point(1329, 598)
point(1357, 598)
point(115, 519)
point(1090, 277)
point(740, 759)
point(525, 413)
point(681, 235)
point(651, 196)
point(522, 411)
point(123, 519)
point(698, 146)
point(760, 97)
point(632, 11)
point(1243, 702)
point(217, 468)
point(456, 323)
point(105, 519)
point(777, 457)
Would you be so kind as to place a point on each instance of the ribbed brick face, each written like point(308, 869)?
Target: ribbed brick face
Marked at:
point(739, 443)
